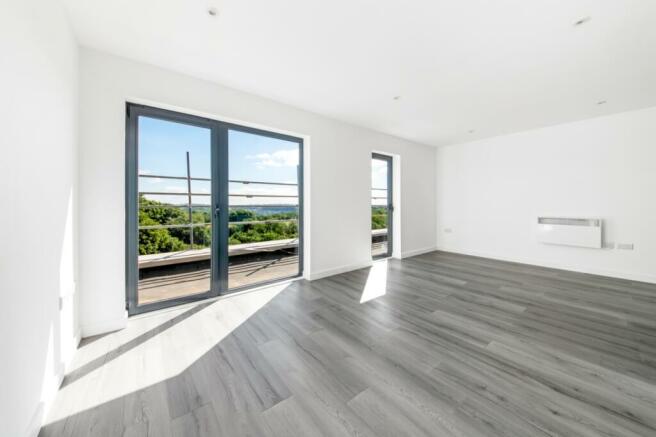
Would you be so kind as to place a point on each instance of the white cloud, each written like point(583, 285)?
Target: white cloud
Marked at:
point(279, 158)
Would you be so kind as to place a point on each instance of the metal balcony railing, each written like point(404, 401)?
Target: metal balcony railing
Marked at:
point(378, 197)
point(190, 206)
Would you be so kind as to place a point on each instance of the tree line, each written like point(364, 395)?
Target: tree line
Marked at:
point(174, 239)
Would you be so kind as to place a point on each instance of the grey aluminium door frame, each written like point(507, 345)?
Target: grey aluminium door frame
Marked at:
point(219, 201)
point(389, 160)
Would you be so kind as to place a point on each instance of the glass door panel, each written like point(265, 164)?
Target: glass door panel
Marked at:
point(381, 206)
point(211, 207)
point(174, 225)
point(264, 208)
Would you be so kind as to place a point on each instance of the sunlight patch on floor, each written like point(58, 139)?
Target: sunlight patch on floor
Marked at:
point(161, 356)
point(376, 285)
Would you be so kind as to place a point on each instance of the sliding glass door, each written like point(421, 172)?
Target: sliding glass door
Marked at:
point(382, 208)
point(211, 207)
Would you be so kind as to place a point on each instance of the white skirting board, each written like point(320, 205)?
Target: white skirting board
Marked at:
point(337, 270)
point(592, 271)
point(343, 269)
point(415, 252)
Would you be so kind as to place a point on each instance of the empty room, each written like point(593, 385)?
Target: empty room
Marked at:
point(328, 218)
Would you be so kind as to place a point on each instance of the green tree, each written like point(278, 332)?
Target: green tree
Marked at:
point(152, 212)
point(156, 240)
point(378, 217)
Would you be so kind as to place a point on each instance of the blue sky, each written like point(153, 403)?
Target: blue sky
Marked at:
point(163, 146)
point(162, 150)
point(378, 180)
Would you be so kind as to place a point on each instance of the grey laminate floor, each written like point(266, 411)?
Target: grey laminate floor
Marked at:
point(456, 346)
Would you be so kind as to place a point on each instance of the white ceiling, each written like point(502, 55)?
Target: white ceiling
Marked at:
point(492, 66)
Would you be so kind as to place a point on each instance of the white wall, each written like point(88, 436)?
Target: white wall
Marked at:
point(339, 175)
point(38, 85)
point(490, 192)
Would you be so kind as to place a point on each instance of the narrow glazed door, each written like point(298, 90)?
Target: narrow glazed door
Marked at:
point(382, 207)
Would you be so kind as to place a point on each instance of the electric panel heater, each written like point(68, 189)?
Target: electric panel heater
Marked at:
point(579, 232)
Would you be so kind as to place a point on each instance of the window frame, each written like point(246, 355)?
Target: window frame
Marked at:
point(389, 160)
point(219, 199)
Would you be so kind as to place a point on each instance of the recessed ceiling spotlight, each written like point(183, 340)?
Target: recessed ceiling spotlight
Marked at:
point(601, 102)
point(397, 97)
point(581, 21)
point(213, 12)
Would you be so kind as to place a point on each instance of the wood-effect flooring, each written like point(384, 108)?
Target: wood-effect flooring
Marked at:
point(435, 345)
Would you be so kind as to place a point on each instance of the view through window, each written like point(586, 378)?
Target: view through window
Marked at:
point(192, 242)
point(175, 232)
point(381, 205)
point(264, 208)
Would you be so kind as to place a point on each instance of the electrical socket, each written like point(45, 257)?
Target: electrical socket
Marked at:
point(625, 246)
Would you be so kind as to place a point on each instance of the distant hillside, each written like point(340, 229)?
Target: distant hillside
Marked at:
point(280, 222)
point(268, 210)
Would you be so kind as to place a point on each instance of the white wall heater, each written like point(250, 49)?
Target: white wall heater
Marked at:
point(567, 231)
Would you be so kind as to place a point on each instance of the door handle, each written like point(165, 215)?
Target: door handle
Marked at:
point(217, 211)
